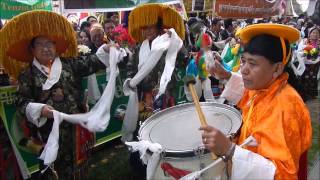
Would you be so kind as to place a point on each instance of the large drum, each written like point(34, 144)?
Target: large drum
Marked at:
point(177, 130)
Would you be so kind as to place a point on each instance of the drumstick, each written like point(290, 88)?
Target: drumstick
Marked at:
point(190, 81)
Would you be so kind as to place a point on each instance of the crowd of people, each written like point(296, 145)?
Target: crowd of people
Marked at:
point(254, 64)
point(220, 32)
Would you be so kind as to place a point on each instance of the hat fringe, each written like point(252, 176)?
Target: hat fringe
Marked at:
point(143, 16)
point(148, 14)
point(172, 18)
point(31, 24)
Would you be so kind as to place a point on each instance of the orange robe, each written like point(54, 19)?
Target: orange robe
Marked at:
point(280, 122)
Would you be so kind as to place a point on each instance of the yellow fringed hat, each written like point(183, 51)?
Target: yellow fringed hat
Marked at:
point(17, 34)
point(148, 14)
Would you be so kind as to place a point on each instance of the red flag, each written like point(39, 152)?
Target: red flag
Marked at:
point(83, 15)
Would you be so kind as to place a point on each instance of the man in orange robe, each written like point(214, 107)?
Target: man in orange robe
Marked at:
point(272, 111)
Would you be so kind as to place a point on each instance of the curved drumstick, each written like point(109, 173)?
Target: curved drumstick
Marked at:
point(190, 81)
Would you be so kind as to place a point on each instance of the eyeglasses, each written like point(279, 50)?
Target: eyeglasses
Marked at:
point(43, 45)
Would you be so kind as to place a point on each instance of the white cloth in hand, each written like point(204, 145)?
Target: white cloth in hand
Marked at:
point(96, 120)
point(148, 59)
point(33, 113)
point(151, 161)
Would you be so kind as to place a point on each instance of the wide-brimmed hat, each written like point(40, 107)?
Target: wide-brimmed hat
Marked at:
point(284, 32)
point(17, 34)
point(149, 14)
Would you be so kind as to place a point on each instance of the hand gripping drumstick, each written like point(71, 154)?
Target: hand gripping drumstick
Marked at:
point(190, 81)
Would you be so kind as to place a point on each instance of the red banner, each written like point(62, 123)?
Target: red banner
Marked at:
point(245, 8)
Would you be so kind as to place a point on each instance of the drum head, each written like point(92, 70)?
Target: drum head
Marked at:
point(177, 128)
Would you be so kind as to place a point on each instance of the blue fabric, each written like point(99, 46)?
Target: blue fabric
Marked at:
point(192, 68)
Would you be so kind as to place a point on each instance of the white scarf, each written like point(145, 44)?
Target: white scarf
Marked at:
point(152, 161)
point(96, 120)
point(148, 59)
point(53, 74)
point(251, 141)
point(143, 53)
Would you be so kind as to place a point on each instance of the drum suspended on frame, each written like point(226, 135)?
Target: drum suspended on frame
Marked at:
point(176, 129)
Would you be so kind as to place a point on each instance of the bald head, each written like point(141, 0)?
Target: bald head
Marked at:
point(97, 34)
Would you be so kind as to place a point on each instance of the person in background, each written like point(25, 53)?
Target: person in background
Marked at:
point(108, 26)
point(85, 26)
point(218, 43)
point(85, 38)
point(79, 39)
point(307, 26)
point(74, 20)
point(310, 47)
point(97, 37)
point(115, 19)
point(192, 30)
point(216, 29)
point(300, 24)
point(249, 21)
point(92, 20)
point(228, 29)
point(114, 16)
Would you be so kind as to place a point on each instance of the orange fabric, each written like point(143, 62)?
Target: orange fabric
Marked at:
point(280, 122)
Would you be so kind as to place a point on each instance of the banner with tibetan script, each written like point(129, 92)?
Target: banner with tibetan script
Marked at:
point(71, 6)
point(245, 8)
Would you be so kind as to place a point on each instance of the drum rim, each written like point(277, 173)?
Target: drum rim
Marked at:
point(187, 153)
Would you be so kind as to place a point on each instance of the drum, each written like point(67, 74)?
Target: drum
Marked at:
point(176, 129)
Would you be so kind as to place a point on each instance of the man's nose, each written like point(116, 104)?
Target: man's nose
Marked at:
point(244, 69)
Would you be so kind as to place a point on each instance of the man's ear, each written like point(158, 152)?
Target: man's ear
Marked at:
point(278, 70)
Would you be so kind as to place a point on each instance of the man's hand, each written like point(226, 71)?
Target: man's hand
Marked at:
point(215, 141)
point(168, 32)
point(217, 70)
point(228, 39)
point(47, 111)
point(107, 47)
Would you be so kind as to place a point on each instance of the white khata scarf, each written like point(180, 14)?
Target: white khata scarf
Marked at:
point(53, 75)
point(96, 120)
point(148, 59)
